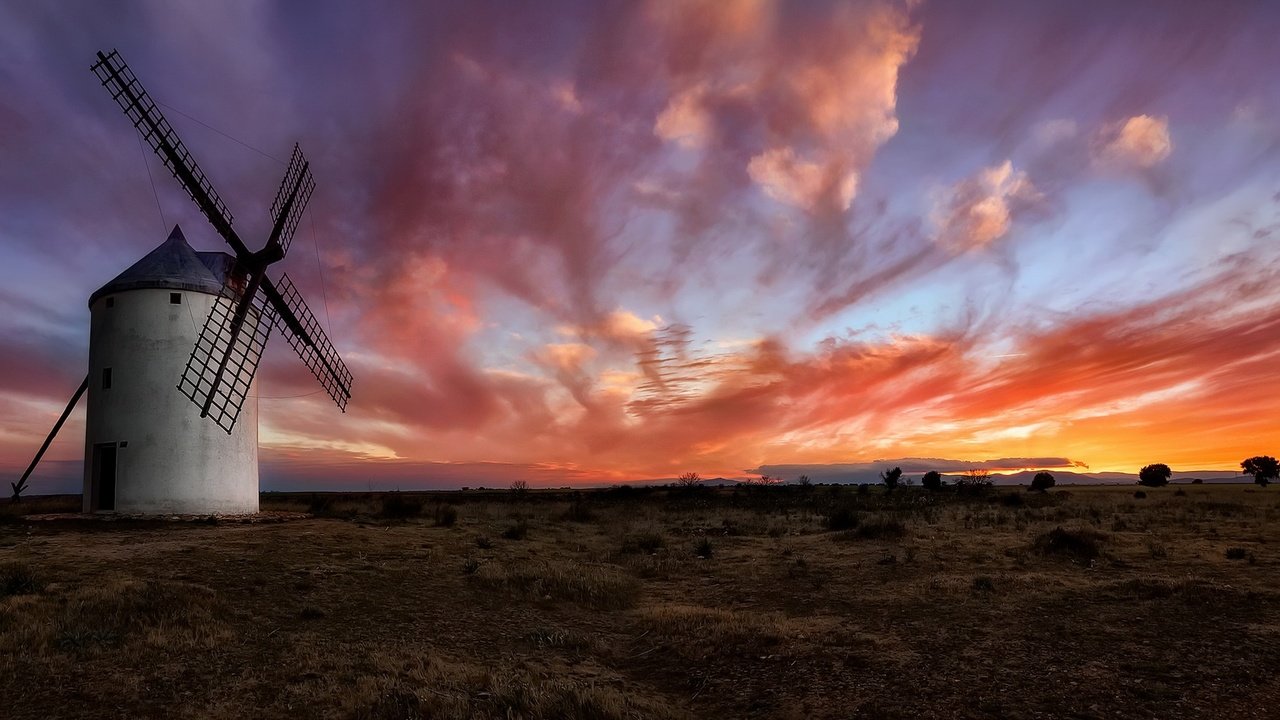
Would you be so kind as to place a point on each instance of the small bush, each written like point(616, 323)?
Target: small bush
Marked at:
point(446, 515)
point(518, 531)
point(18, 579)
point(881, 529)
point(842, 519)
point(703, 548)
point(484, 543)
point(1082, 545)
point(1139, 495)
point(983, 584)
point(1237, 553)
point(400, 507)
point(1157, 550)
point(578, 512)
point(874, 529)
point(310, 612)
point(1012, 499)
point(642, 543)
point(470, 566)
point(1179, 493)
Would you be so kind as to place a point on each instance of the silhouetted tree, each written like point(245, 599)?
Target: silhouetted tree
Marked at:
point(975, 481)
point(1156, 475)
point(1042, 482)
point(21, 487)
point(519, 487)
point(890, 478)
point(931, 480)
point(804, 481)
point(1263, 468)
point(689, 480)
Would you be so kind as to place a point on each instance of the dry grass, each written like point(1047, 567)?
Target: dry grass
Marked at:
point(1082, 602)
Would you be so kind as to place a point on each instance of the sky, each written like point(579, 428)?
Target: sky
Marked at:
point(591, 242)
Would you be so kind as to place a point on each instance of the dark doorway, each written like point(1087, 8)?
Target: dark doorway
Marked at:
point(104, 476)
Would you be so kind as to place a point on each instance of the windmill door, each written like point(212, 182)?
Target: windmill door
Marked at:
point(104, 476)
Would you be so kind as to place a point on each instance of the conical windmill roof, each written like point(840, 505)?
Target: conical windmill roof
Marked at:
point(172, 265)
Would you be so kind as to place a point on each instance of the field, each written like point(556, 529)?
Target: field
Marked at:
point(789, 602)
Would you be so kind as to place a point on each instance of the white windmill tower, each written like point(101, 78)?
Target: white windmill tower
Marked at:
point(147, 450)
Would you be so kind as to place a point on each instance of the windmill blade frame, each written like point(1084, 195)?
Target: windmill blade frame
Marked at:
point(291, 200)
point(309, 340)
point(146, 117)
point(225, 358)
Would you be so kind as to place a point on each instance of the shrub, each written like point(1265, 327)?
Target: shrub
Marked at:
point(891, 478)
point(881, 529)
point(1156, 475)
point(519, 487)
point(874, 529)
point(974, 482)
point(1042, 482)
point(518, 531)
point(311, 612)
point(18, 579)
point(483, 542)
point(446, 515)
point(1237, 553)
point(689, 480)
point(396, 506)
point(1197, 481)
point(703, 548)
point(983, 584)
point(1012, 499)
point(643, 542)
point(842, 518)
point(1139, 495)
point(1083, 545)
point(578, 511)
point(931, 480)
point(1179, 493)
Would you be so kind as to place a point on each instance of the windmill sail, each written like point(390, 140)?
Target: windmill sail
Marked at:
point(225, 358)
point(142, 111)
point(308, 339)
point(291, 200)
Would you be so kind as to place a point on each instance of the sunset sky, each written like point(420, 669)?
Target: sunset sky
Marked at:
point(596, 241)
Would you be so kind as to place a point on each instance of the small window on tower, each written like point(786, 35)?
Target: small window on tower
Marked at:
point(175, 298)
point(106, 378)
point(111, 302)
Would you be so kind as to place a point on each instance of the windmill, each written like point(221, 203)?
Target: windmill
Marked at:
point(176, 462)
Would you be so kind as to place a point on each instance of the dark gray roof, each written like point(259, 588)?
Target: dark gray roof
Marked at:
point(173, 265)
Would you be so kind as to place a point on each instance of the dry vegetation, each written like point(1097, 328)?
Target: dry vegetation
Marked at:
point(780, 602)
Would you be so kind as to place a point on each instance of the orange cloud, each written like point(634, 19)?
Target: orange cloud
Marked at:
point(1141, 141)
point(818, 93)
point(979, 210)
